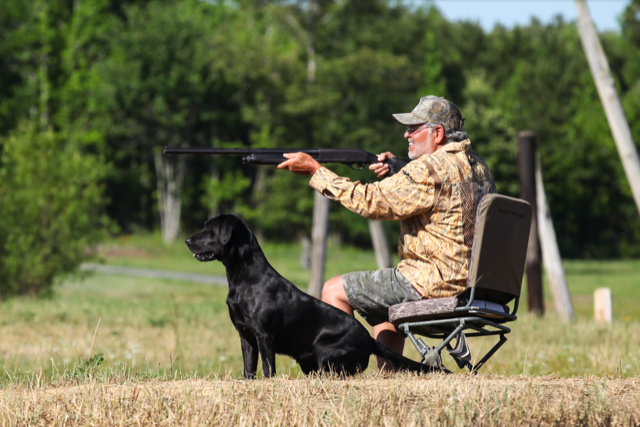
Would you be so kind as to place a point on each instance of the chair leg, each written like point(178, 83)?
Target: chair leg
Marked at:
point(486, 357)
point(431, 356)
point(461, 363)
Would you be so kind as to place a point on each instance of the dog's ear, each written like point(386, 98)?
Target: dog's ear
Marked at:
point(226, 229)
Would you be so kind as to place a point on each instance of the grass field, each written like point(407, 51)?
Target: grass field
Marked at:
point(370, 400)
point(151, 331)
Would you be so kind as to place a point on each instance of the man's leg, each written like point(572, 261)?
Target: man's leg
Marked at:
point(387, 335)
point(333, 293)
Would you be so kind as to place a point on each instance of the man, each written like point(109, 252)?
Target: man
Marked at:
point(435, 196)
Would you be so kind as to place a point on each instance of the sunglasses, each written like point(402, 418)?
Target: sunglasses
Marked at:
point(413, 129)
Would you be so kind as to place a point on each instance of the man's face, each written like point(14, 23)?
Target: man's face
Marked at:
point(422, 140)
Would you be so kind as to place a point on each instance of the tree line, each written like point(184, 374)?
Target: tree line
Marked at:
point(92, 90)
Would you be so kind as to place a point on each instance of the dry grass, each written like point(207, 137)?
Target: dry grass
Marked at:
point(173, 357)
point(146, 327)
point(370, 400)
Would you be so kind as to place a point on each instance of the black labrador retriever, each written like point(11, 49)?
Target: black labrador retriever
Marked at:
point(274, 316)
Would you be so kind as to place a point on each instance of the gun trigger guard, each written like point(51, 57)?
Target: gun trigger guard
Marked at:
point(357, 166)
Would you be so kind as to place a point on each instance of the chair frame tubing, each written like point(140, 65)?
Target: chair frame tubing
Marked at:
point(459, 324)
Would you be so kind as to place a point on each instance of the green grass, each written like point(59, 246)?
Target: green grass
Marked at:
point(148, 251)
point(583, 277)
point(152, 327)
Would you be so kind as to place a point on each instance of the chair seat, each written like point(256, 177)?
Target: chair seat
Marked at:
point(442, 308)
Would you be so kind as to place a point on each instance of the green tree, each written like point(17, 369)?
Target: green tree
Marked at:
point(159, 84)
point(538, 79)
point(51, 208)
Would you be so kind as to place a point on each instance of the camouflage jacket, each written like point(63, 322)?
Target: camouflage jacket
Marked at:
point(435, 197)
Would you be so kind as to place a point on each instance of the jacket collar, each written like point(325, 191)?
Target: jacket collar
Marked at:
point(458, 146)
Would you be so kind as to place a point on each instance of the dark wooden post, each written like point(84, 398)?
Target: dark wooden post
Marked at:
point(527, 163)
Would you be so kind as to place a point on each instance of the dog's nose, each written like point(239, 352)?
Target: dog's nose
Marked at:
point(188, 241)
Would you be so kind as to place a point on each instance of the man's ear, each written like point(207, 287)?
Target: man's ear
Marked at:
point(226, 229)
point(439, 134)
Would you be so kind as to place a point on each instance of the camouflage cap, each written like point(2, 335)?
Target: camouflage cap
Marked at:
point(435, 110)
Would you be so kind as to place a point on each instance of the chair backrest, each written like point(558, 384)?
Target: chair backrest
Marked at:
point(499, 248)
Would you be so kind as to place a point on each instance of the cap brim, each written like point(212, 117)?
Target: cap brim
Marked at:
point(407, 119)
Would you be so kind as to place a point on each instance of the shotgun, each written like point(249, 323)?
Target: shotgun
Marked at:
point(355, 158)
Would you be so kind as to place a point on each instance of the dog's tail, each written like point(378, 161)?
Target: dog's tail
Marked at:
point(400, 362)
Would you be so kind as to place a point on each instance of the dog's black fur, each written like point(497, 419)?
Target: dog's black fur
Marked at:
point(274, 316)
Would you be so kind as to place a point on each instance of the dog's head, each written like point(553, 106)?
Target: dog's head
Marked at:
point(219, 235)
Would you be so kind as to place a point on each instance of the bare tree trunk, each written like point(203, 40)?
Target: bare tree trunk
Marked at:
point(45, 89)
point(169, 177)
point(305, 256)
point(258, 195)
point(609, 97)
point(551, 254)
point(380, 244)
point(214, 176)
point(319, 244)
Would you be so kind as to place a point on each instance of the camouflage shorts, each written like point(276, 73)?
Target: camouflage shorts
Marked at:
point(371, 293)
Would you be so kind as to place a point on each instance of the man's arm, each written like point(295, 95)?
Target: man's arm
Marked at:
point(400, 196)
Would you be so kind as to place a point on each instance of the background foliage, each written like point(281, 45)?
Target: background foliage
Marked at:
point(50, 210)
point(90, 92)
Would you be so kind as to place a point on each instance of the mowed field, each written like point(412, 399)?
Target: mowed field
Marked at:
point(171, 355)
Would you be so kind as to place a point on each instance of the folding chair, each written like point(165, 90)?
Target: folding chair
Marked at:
point(495, 279)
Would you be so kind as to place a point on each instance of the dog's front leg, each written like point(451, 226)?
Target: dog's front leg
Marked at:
point(265, 344)
point(249, 355)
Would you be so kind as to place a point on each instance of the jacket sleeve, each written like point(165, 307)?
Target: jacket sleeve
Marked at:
point(409, 192)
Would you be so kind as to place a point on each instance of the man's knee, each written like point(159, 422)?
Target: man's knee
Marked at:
point(333, 293)
point(333, 289)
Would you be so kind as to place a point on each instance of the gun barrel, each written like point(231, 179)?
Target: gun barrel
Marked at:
point(238, 151)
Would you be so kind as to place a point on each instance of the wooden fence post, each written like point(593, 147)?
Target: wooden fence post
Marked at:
point(319, 244)
point(526, 161)
point(380, 244)
point(551, 254)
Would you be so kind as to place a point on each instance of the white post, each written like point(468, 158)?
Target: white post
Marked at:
point(603, 305)
point(380, 244)
point(319, 244)
point(551, 254)
point(609, 97)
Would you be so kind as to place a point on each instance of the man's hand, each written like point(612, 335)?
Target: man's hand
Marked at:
point(380, 169)
point(300, 164)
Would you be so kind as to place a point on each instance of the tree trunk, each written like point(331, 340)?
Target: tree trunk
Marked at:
point(380, 244)
point(214, 176)
point(609, 97)
point(45, 89)
point(169, 175)
point(305, 256)
point(319, 244)
point(259, 193)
